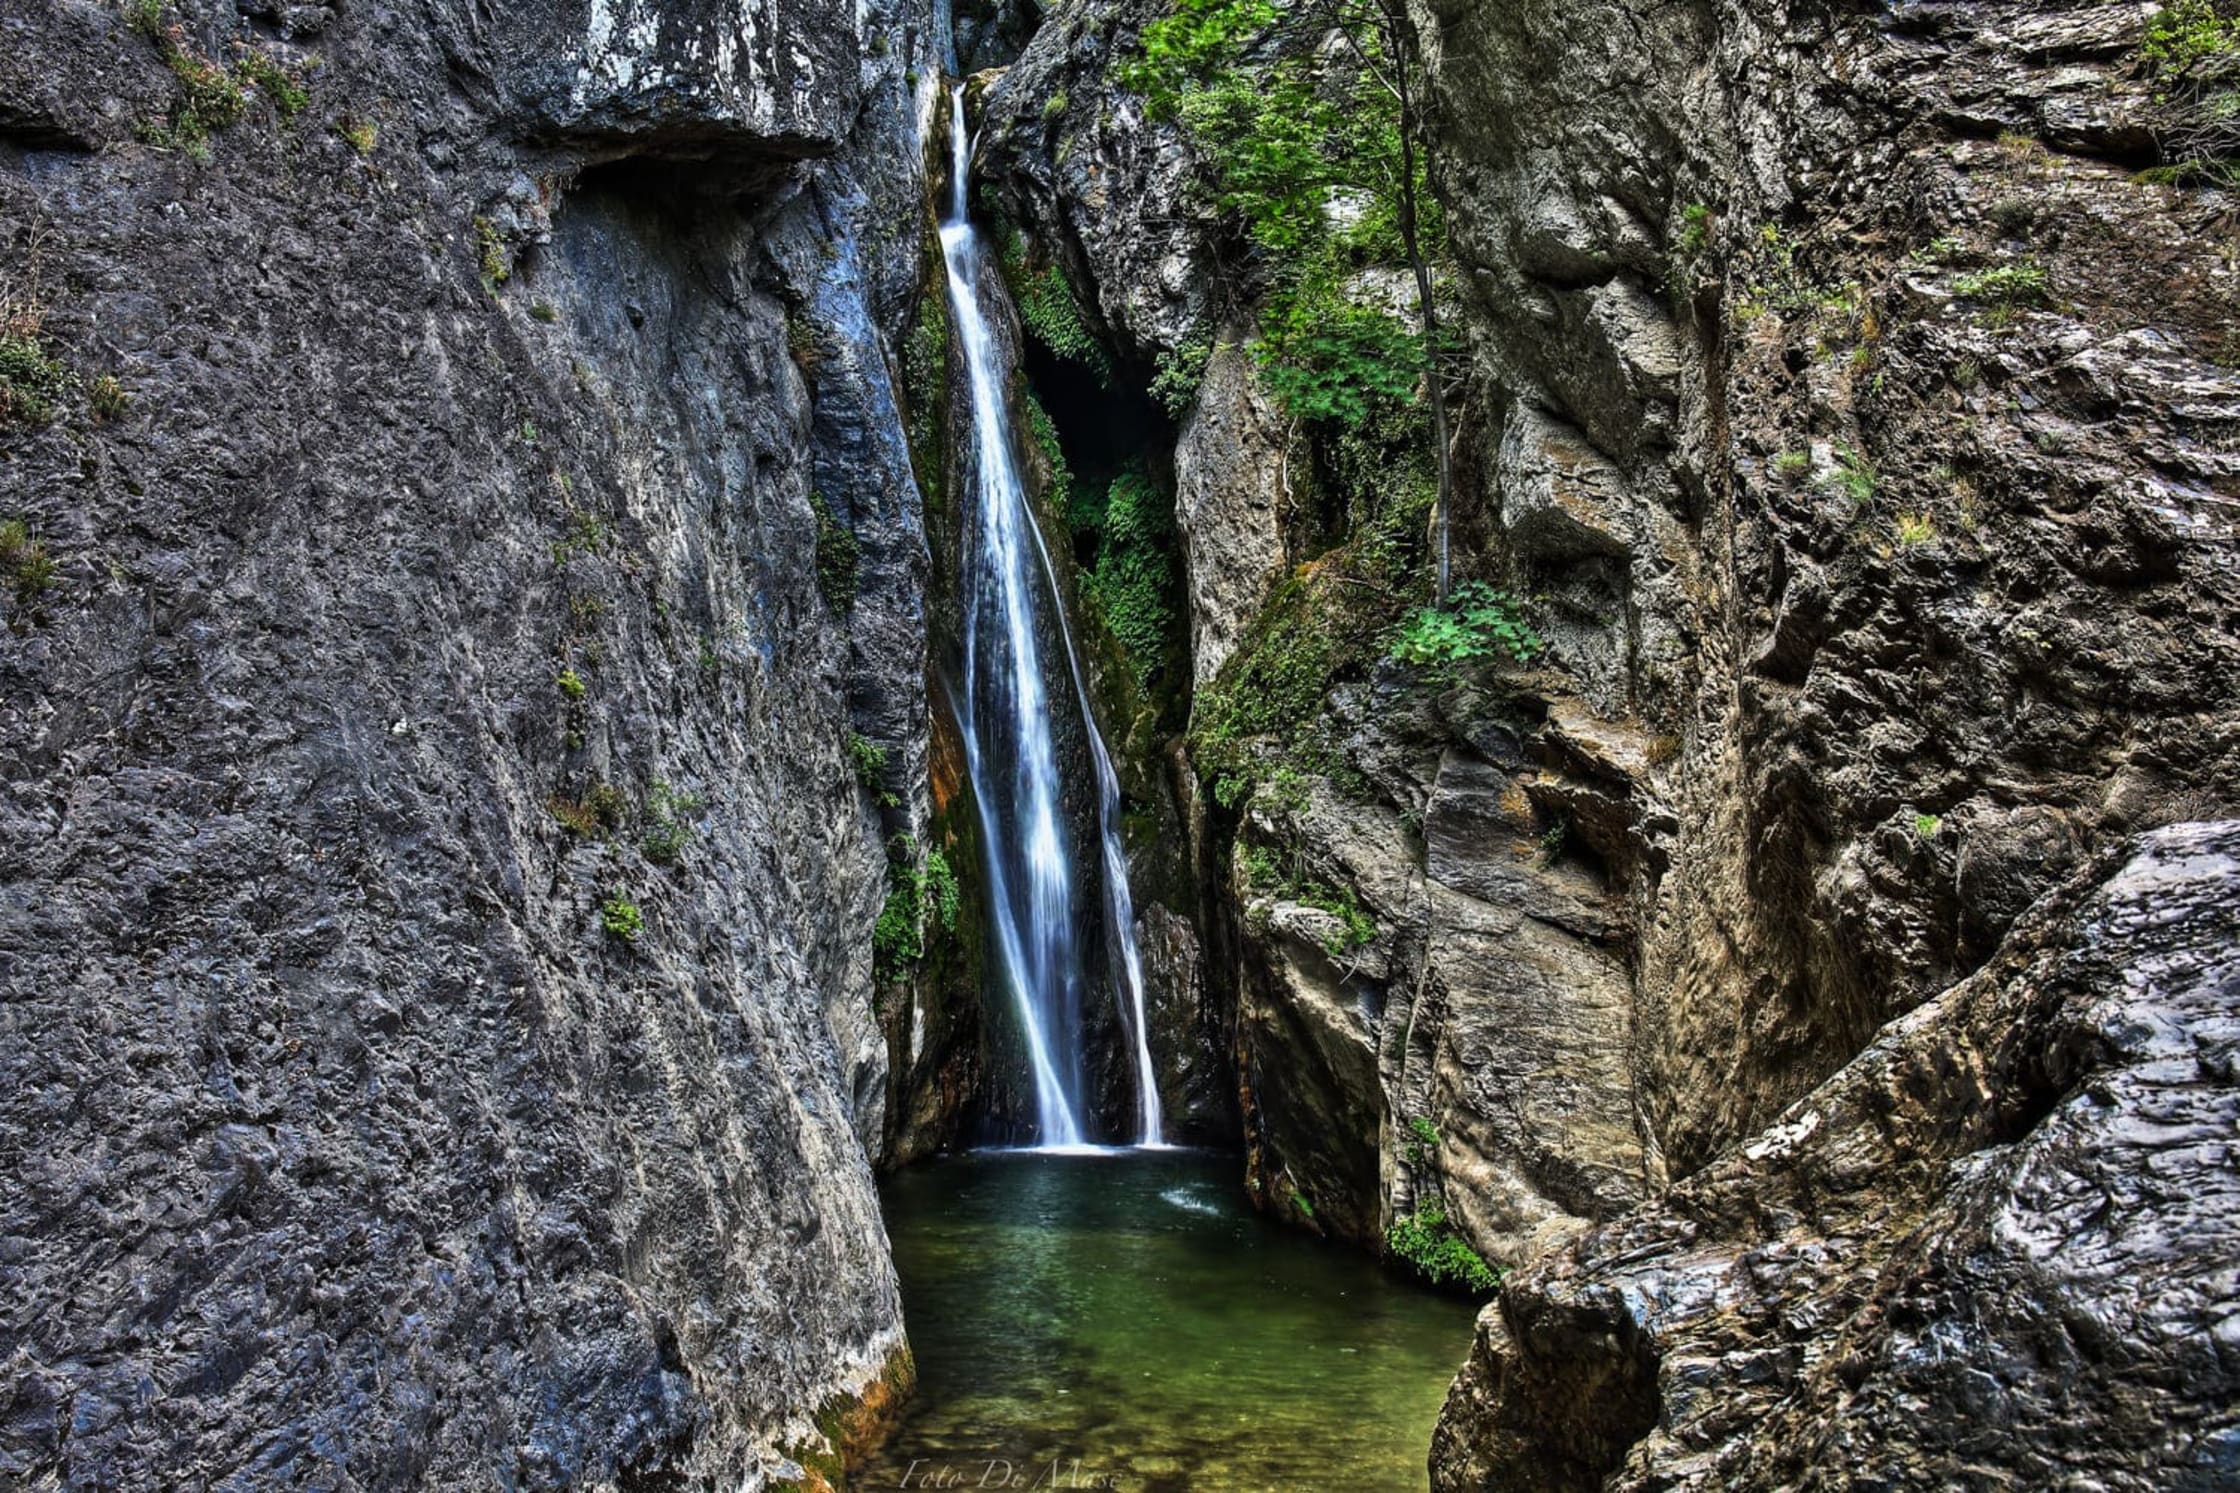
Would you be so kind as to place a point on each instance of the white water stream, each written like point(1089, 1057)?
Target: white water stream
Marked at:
point(1010, 750)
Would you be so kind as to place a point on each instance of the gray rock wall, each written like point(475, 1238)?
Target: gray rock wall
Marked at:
point(463, 487)
point(1994, 1251)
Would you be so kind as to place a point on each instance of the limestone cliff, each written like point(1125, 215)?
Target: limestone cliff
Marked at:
point(466, 523)
point(1856, 418)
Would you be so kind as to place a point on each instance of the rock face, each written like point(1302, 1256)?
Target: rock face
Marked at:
point(1858, 467)
point(1995, 1250)
point(1860, 426)
point(1492, 1002)
point(435, 938)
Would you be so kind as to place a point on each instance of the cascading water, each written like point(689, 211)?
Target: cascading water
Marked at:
point(1009, 749)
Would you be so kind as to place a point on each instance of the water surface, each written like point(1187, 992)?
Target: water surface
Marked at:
point(1128, 1321)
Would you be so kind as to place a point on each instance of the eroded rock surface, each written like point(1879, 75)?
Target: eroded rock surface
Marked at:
point(1995, 1251)
point(435, 997)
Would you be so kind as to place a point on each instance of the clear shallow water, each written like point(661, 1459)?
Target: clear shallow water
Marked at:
point(1129, 1313)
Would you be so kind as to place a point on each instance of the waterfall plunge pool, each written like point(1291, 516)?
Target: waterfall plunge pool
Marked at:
point(1126, 1321)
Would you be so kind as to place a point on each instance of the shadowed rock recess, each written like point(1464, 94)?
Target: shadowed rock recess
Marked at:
point(478, 555)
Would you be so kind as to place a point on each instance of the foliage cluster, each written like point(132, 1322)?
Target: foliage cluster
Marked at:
point(869, 759)
point(1479, 621)
point(920, 894)
point(1303, 150)
point(925, 384)
point(600, 811)
point(29, 567)
point(1047, 308)
point(2192, 48)
point(2007, 285)
point(1318, 628)
point(212, 96)
point(1424, 1240)
point(839, 555)
point(621, 919)
point(1132, 582)
point(30, 381)
point(669, 823)
point(1174, 383)
point(1283, 877)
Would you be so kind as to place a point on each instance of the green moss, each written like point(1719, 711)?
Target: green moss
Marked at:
point(922, 896)
point(839, 555)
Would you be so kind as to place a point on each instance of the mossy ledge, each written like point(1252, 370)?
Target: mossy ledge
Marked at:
point(850, 1427)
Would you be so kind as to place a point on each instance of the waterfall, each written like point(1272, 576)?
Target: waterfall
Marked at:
point(1010, 752)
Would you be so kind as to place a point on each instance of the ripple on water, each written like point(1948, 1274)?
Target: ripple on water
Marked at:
point(1127, 1322)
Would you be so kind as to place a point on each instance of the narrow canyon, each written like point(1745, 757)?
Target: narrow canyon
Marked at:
point(1196, 746)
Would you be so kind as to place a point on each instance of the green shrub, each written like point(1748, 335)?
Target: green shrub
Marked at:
point(1424, 1241)
point(1851, 476)
point(1927, 825)
point(30, 568)
point(669, 827)
point(1422, 1148)
point(839, 556)
point(1326, 359)
point(2007, 285)
point(2192, 47)
point(622, 919)
point(571, 684)
point(870, 762)
point(1478, 622)
point(1132, 581)
point(1793, 466)
point(1175, 383)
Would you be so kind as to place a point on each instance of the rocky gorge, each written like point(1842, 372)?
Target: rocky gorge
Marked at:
point(493, 875)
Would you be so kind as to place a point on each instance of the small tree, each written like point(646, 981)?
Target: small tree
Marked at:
point(1277, 142)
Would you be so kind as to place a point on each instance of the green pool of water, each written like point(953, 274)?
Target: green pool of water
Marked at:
point(1127, 1322)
